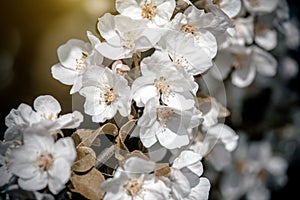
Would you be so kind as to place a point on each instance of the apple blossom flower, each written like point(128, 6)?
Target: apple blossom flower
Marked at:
point(184, 52)
point(157, 12)
point(242, 33)
point(124, 36)
point(41, 162)
point(106, 93)
point(46, 112)
point(245, 61)
point(133, 181)
point(192, 22)
point(75, 56)
point(167, 125)
point(161, 78)
point(253, 165)
point(215, 20)
point(185, 178)
point(218, 143)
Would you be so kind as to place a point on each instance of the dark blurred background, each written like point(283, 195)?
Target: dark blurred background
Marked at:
point(32, 30)
point(30, 33)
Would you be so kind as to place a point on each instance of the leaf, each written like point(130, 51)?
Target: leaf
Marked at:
point(162, 169)
point(121, 151)
point(84, 137)
point(88, 137)
point(89, 184)
point(85, 159)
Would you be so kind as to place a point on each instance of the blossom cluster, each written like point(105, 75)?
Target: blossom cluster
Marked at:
point(149, 85)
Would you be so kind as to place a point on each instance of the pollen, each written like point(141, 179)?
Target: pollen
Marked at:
point(45, 161)
point(81, 62)
point(133, 186)
point(164, 115)
point(162, 85)
point(149, 11)
point(189, 28)
point(127, 43)
point(107, 95)
point(182, 62)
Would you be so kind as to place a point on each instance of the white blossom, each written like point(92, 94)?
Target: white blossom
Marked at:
point(41, 162)
point(157, 12)
point(106, 93)
point(167, 125)
point(125, 36)
point(219, 141)
point(185, 178)
point(75, 56)
point(133, 181)
point(245, 61)
point(161, 78)
point(184, 51)
point(46, 112)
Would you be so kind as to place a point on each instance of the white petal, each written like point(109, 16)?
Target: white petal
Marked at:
point(201, 191)
point(47, 105)
point(71, 120)
point(24, 115)
point(231, 7)
point(138, 165)
point(155, 189)
point(148, 135)
point(113, 52)
point(171, 140)
point(243, 77)
point(129, 8)
point(185, 159)
point(143, 94)
point(77, 85)
point(179, 101)
point(70, 51)
point(59, 175)
point(64, 75)
point(225, 134)
point(267, 39)
point(38, 182)
point(180, 184)
point(64, 148)
point(265, 63)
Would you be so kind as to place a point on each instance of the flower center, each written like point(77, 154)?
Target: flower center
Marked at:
point(107, 95)
point(51, 116)
point(127, 43)
point(133, 186)
point(164, 115)
point(81, 62)
point(182, 62)
point(238, 61)
point(189, 28)
point(45, 161)
point(162, 85)
point(148, 11)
